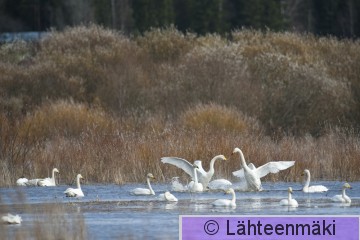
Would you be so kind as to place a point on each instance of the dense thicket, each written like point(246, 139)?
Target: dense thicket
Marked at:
point(321, 17)
point(90, 100)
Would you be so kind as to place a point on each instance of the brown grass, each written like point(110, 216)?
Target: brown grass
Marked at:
point(93, 101)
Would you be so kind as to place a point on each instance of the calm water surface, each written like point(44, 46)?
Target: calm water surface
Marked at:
point(110, 212)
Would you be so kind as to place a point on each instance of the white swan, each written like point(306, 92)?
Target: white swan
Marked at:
point(252, 175)
point(48, 182)
point(75, 192)
point(167, 196)
point(22, 181)
point(203, 177)
point(343, 198)
point(289, 201)
point(144, 191)
point(11, 219)
point(195, 186)
point(312, 189)
point(226, 202)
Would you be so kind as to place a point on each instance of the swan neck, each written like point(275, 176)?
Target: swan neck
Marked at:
point(149, 185)
point(195, 176)
point(289, 198)
point(212, 163)
point(343, 193)
point(78, 182)
point(242, 159)
point(53, 174)
point(233, 200)
point(307, 183)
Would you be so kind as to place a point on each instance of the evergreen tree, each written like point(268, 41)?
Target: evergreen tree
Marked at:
point(149, 13)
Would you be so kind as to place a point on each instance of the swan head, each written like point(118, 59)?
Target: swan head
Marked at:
point(149, 175)
point(290, 190)
point(56, 170)
point(236, 150)
point(346, 185)
point(230, 190)
point(305, 172)
point(79, 176)
point(222, 157)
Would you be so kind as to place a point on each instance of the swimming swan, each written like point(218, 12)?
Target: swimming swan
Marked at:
point(167, 196)
point(226, 202)
point(38, 181)
point(252, 175)
point(289, 201)
point(75, 192)
point(312, 189)
point(203, 177)
point(343, 198)
point(11, 219)
point(22, 181)
point(48, 182)
point(144, 191)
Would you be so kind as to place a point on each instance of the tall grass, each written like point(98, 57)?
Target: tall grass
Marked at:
point(93, 101)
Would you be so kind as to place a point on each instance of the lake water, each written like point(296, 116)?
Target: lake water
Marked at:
point(110, 212)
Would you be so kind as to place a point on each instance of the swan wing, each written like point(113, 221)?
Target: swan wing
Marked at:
point(32, 182)
point(240, 173)
point(140, 191)
point(200, 170)
point(45, 182)
point(73, 192)
point(180, 163)
point(316, 188)
point(273, 167)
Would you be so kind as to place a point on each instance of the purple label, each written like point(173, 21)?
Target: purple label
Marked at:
point(269, 227)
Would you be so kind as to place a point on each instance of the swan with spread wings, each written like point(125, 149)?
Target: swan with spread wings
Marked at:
point(203, 176)
point(252, 175)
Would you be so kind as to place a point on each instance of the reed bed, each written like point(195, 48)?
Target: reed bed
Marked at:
point(93, 101)
point(129, 149)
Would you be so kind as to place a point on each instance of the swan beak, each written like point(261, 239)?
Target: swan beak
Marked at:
point(225, 158)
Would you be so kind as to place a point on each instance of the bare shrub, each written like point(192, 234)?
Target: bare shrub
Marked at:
point(166, 45)
point(299, 99)
point(65, 118)
point(17, 52)
point(212, 117)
